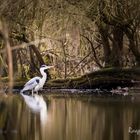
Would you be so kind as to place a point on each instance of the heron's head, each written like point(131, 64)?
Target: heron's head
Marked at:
point(44, 67)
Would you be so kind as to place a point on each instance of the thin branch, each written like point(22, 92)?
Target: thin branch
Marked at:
point(24, 45)
point(93, 50)
point(72, 71)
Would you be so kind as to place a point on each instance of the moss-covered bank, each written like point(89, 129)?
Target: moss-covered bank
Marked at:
point(105, 78)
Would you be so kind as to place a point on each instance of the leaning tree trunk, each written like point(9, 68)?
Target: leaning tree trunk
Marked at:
point(33, 65)
point(35, 56)
point(23, 73)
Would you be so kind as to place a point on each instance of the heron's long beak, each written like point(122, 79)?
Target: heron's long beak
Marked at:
point(48, 67)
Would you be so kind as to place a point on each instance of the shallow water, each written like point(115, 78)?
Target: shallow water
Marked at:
point(70, 118)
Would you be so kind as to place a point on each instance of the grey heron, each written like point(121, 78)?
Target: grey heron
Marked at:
point(36, 83)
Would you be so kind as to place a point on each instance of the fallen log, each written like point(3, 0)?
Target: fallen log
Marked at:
point(103, 79)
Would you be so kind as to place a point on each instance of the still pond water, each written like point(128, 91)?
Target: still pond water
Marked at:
point(70, 118)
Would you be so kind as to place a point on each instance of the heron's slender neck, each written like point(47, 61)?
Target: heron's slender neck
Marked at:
point(44, 75)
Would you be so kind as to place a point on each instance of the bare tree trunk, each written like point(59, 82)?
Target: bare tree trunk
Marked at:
point(117, 47)
point(4, 32)
point(117, 27)
point(65, 60)
point(132, 45)
point(106, 45)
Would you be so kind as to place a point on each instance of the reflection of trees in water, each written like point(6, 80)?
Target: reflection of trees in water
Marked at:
point(69, 118)
point(89, 121)
point(117, 119)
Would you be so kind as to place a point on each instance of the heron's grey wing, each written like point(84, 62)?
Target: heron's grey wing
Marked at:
point(31, 84)
point(33, 81)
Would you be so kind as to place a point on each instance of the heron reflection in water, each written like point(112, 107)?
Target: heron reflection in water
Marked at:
point(37, 104)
